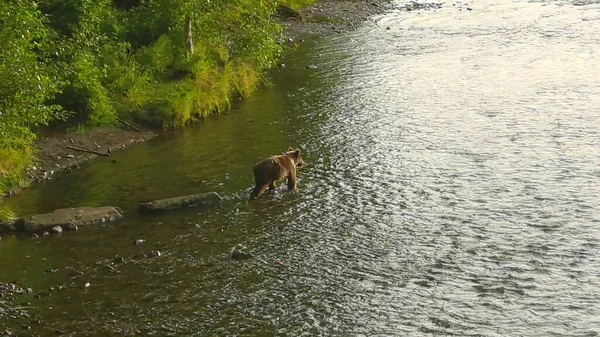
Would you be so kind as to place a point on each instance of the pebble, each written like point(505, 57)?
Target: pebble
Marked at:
point(57, 229)
point(139, 241)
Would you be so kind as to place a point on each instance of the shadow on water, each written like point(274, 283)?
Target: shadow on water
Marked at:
point(441, 196)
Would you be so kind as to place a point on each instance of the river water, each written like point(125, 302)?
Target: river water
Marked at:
point(452, 187)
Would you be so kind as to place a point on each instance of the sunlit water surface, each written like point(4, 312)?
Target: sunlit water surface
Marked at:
point(452, 188)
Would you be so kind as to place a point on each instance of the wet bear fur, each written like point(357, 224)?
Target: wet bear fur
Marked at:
point(274, 168)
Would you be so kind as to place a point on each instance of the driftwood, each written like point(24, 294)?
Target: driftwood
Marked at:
point(88, 151)
point(204, 199)
point(129, 125)
point(68, 218)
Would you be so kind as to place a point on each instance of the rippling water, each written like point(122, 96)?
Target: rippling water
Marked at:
point(452, 188)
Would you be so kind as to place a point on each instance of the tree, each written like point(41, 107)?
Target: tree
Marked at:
point(26, 81)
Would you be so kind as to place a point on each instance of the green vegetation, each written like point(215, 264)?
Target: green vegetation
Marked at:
point(296, 4)
point(79, 63)
point(6, 213)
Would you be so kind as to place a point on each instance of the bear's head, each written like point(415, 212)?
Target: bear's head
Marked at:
point(295, 156)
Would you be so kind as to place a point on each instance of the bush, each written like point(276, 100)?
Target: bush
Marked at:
point(83, 63)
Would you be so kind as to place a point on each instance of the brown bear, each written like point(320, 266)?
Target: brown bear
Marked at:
point(276, 168)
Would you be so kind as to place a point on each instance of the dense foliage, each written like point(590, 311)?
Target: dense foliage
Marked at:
point(84, 63)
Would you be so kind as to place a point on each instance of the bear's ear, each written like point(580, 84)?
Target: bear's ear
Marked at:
point(297, 152)
point(290, 149)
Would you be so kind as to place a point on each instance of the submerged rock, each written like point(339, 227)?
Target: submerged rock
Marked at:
point(57, 229)
point(237, 254)
point(154, 253)
point(118, 260)
point(204, 199)
point(141, 255)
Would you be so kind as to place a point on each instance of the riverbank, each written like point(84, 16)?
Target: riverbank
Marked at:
point(64, 152)
point(328, 17)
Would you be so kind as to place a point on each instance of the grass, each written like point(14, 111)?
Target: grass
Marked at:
point(207, 90)
point(6, 214)
point(12, 166)
point(296, 4)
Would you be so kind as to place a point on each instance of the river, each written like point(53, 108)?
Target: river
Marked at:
point(452, 187)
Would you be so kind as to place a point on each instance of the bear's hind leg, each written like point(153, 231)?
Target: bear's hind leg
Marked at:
point(272, 186)
point(258, 190)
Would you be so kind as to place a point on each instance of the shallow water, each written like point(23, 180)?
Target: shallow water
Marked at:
point(452, 188)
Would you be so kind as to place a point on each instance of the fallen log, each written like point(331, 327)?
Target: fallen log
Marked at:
point(68, 218)
point(200, 199)
point(87, 151)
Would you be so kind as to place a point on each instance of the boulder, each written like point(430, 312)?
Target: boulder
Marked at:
point(7, 227)
point(200, 199)
point(68, 218)
point(237, 254)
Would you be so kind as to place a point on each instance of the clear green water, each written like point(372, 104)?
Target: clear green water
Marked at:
point(451, 188)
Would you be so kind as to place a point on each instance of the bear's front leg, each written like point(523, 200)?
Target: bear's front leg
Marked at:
point(291, 182)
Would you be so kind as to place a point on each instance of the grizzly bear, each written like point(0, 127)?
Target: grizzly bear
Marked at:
point(276, 168)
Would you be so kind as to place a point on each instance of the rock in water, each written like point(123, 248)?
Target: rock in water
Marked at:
point(155, 253)
point(67, 217)
point(237, 254)
point(57, 229)
point(71, 227)
point(200, 199)
point(7, 226)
